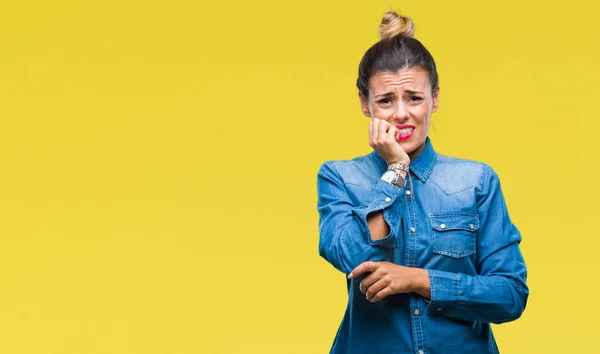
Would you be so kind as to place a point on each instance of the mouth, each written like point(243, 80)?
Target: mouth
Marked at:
point(405, 131)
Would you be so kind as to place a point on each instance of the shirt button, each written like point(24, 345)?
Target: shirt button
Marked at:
point(439, 309)
point(417, 312)
point(407, 192)
point(387, 200)
point(442, 226)
point(472, 227)
point(412, 229)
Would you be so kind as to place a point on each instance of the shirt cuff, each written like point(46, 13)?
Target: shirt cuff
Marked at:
point(383, 195)
point(445, 291)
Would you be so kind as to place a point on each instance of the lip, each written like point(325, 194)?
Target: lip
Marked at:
point(407, 136)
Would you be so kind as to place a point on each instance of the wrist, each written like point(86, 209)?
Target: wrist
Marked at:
point(399, 167)
point(402, 161)
point(420, 281)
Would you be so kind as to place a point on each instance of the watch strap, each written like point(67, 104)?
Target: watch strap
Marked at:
point(398, 166)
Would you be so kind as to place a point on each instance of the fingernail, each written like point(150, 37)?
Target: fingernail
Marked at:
point(350, 276)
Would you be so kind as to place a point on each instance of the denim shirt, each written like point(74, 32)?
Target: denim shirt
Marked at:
point(454, 224)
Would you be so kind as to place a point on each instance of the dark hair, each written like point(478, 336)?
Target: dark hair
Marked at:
point(396, 50)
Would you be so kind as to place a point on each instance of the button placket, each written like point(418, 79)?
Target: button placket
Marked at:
point(411, 256)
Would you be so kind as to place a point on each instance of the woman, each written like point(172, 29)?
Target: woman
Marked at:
point(431, 254)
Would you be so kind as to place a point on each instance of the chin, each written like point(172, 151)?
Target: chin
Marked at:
point(411, 145)
point(408, 147)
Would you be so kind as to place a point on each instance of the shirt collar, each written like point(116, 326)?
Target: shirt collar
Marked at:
point(421, 166)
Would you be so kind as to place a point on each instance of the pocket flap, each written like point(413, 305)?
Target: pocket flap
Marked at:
point(468, 222)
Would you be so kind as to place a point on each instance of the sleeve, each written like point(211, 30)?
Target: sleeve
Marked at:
point(345, 240)
point(498, 293)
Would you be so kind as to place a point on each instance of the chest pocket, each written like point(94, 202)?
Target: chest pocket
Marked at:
point(454, 234)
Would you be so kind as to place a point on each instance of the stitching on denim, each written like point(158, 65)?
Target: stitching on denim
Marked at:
point(447, 192)
point(440, 187)
point(434, 233)
point(355, 184)
point(344, 180)
point(370, 201)
point(411, 211)
point(456, 292)
point(455, 213)
point(430, 169)
point(421, 332)
point(481, 175)
point(392, 214)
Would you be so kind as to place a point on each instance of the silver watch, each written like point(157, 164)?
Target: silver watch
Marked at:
point(394, 178)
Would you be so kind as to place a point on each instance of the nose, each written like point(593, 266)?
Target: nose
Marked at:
point(401, 114)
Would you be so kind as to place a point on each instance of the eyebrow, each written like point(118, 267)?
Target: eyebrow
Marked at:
point(388, 94)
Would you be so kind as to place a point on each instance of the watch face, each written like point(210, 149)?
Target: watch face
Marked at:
point(389, 176)
point(394, 178)
point(400, 182)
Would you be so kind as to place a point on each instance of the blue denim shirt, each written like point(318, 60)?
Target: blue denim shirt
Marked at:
point(454, 224)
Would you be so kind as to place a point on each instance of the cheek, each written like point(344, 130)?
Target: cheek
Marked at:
point(382, 113)
point(420, 114)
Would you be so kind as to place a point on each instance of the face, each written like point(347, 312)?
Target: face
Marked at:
point(403, 99)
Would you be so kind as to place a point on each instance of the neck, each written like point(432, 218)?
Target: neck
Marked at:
point(417, 151)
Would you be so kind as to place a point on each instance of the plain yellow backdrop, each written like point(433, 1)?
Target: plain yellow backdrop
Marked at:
point(159, 160)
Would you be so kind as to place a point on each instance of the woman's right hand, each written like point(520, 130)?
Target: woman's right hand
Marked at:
point(382, 138)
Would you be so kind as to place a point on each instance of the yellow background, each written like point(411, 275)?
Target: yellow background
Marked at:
point(159, 160)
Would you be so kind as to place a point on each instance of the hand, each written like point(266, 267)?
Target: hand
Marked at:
point(389, 278)
point(383, 138)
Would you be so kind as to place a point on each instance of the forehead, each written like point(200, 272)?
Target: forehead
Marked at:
point(415, 79)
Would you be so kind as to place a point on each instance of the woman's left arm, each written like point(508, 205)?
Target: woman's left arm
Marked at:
point(498, 293)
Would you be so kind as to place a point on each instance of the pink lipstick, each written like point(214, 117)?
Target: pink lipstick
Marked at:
point(405, 131)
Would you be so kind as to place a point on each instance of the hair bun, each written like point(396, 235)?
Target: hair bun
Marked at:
point(392, 24)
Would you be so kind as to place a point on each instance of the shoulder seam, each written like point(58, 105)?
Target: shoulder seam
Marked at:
point(484, 168)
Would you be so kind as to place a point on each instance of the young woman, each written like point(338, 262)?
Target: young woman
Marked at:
point(431, 255)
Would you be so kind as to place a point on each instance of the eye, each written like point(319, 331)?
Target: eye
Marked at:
point(415, 99)
point(384, 101)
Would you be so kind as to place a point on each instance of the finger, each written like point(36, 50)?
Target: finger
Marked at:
point(382, 131)
point(370, 132)
point(369, 280)
point(391, 134)
point(382, 294)
point(363, 267)
point(374, 289)
point(374, 130)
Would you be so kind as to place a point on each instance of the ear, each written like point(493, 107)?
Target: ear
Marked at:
point(364, 105)
point(436, 100)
